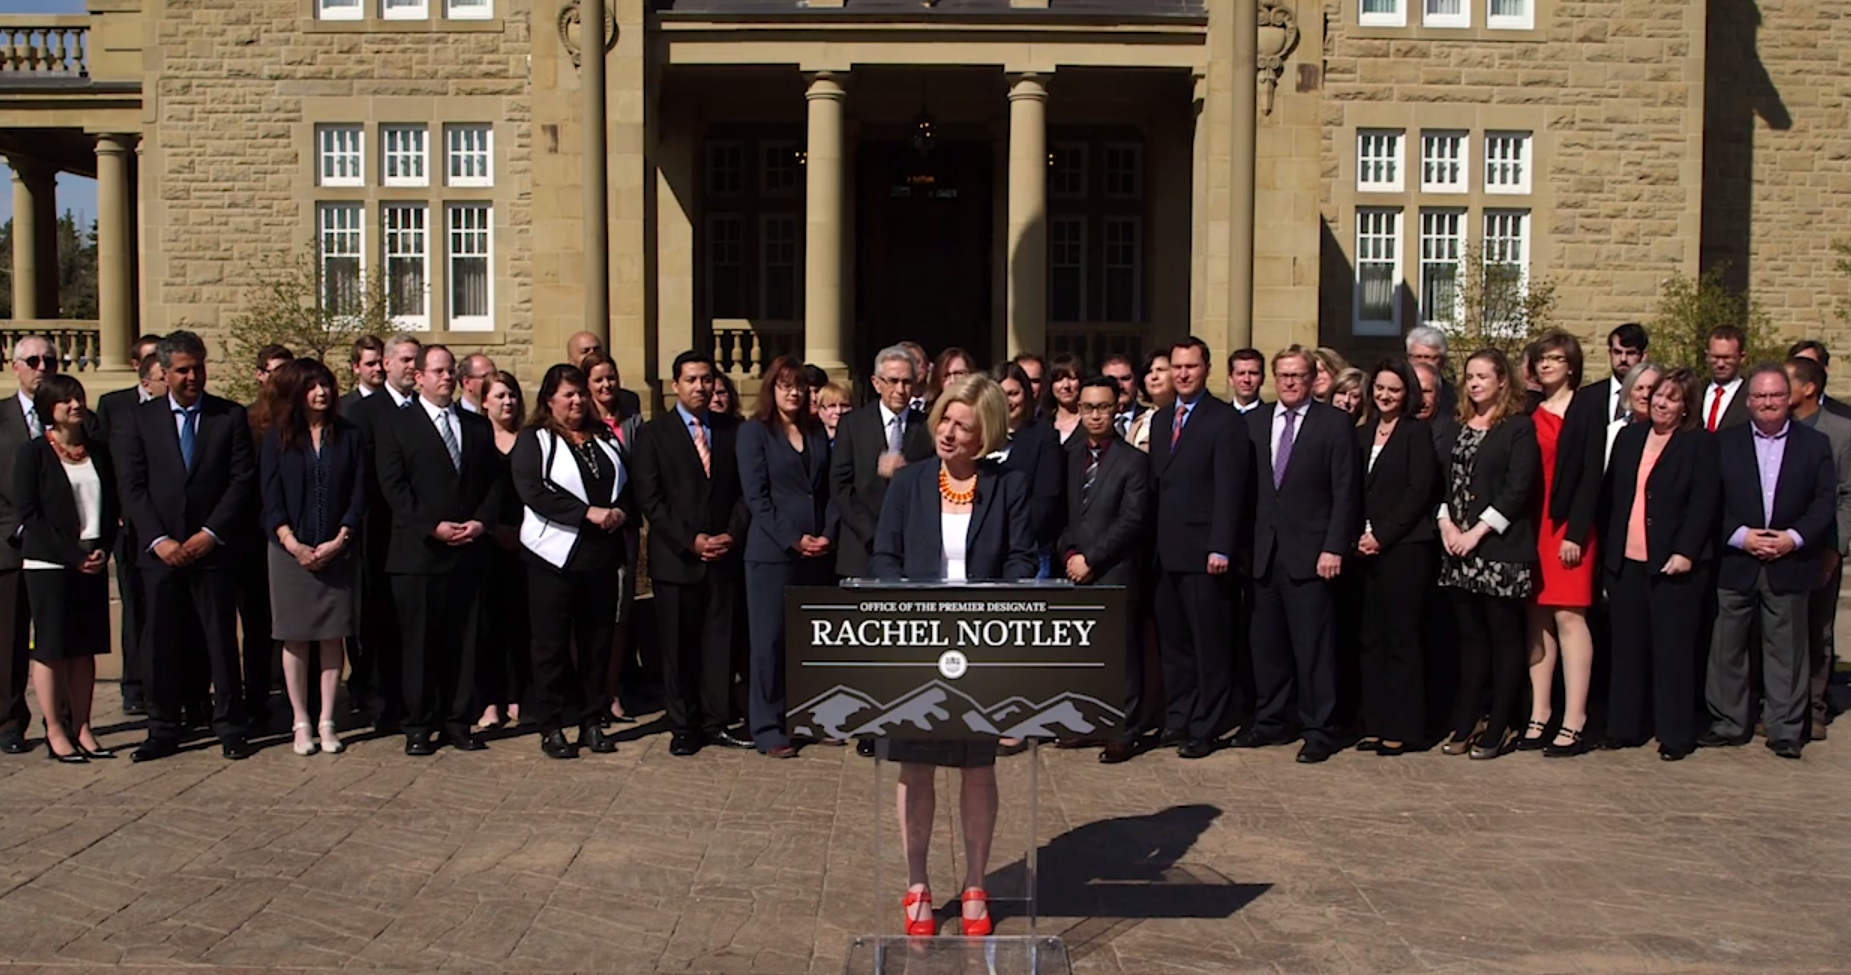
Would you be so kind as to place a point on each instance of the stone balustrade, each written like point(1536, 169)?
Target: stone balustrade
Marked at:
point(78, 342)
point(44, 46)
point(742, 349)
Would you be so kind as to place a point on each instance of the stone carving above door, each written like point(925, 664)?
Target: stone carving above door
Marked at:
point(572, 32)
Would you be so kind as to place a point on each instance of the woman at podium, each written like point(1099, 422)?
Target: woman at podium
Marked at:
point(958, 520)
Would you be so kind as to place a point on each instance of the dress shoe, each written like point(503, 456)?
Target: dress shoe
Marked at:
point(735, 737)
point(419, 743)
point(96, 753)
point(74, 758)
point(1170, 739)
point(864, 747)
point(1576, 744)
point(1251, 738)
point(1711, 739)
point(1369, 745)
point(134, 707)
point(1072, 743)
point(13, 742)
point(1313, 752)
point(1456, 746)
point(1385, 750)
point(461, 740)
point(1669, 754)
point(1533, 740)
point(781, 751)
point(154, 748)
point(1486, 749)
point(553, 744)
point(236, 748)
point(684, 743)
point(592, 736)
point(1118, 751)
point(1785, 749)
point(1196, 748)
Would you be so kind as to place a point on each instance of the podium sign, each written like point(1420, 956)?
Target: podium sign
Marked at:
point(955, 661)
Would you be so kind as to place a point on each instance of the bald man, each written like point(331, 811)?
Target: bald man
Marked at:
point(472, 381)
point(582, 344)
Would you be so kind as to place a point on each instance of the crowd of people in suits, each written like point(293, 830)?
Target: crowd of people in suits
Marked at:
point(1388, 559)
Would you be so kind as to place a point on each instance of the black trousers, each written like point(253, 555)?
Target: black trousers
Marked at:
point(1492, 653)
point(505, 656)
point(378, 666)
point(1821, 648)
point(694, 629)
point(765, 584)
point(1138, 716)
point(565, 606)
point(1200, 651)
point(134, 616)
point(1394, 667)
point(1294, 656)
point(15, 651)
point(440, 622)
point(193, 613)
point(1653, 685)
point(260, 650)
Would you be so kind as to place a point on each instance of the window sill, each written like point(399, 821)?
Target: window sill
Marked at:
point(1423, 32)
point(376, 25)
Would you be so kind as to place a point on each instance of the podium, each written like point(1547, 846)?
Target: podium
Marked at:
point(890, 661)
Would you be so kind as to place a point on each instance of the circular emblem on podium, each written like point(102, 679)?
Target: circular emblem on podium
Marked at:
point(953, 664)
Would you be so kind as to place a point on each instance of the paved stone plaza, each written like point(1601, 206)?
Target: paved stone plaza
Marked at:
point(504, 861)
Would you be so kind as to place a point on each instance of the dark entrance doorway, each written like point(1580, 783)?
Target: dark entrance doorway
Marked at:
point(922, 242)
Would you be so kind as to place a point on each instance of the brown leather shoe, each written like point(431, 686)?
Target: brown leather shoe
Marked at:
point(781, 751)
point(1116, 752)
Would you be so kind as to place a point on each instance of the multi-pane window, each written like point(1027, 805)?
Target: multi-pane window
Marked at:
point(405, 9)
point(1378, 271)
point(1441, 244)
point(403, 155)
point(340, 155)
point(779, 174)
point(469, 9)
point(1124, 170)
point(1447, 13)
point(1507, 162)
point(1507, 265)
point(1067, 169)
point(470, 153)
point(726, 168)
point(340, 9)
point(342, 246)
point(1382, 13)
point(1122, 293)
point(1378, 160)
point(726, 286)
point(471, 283)
point(1443, 166)
point(1067, 269)
point(778, 250)
point(1510, 14)
point(407, 255)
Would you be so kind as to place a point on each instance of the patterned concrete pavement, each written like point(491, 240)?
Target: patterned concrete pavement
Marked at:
point(504, 861)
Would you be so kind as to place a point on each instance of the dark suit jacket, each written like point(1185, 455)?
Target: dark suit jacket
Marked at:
point(1805, 501)
point(1836, 407)
point(1203, 486)
point(531, 486)
point(1734, 412)
point(112, 410)
point(910, 544)
point(682, 502)
point(1111, 527)
point(351, 401)
point(13, 434)
point(1680, 497)
point(367, 414)
point(48, 517)
point(423, 488)
point(1507, 476)
point(1402, 486)
point(1580, 456)
point(856, 484)
point(284, 478)
point(786, 492)
point(1446, 402)
point(1036, 452)
point(1317, 507)
point(1445, 430)
point(163, 497)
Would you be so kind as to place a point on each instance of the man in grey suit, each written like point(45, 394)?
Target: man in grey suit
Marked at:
point(1807, 376)
point(33, 360)
point(871, 444)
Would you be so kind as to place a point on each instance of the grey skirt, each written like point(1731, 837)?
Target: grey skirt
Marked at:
point(308, 605)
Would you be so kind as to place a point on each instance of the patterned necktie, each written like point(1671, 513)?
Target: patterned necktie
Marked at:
point(895, 434)
point(700, 446)
point(1176, 425)
point(189, 433)
point(34, 425)
point(1092, 474)
point(1283, 456)
point(449, 439)
point(1620, 410)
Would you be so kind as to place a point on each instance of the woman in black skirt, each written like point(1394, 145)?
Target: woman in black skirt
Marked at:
point(505, 655)
point(65, 488)
point(312, 470)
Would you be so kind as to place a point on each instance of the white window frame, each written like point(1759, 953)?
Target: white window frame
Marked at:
point(469, 323)
point(413, 10)
point(1078, 149)
point(1456, 238)
point(1392, 326)
point(415, 156)
point(769, 149)
point(765, 263)
point(330, 10)
point(1521, 222)
point(1394, 160)
point(1499, 165)
point(331, 153)
point(1523, 21)
point(1434, 160)
point(1137, 266)
point(1136, 149)
point(1397, 17)
point(388, 235)
point(1429, 18)
point(355, 224)
point(469, 9)
point(1080, 224)
point(709, 264)
point(456, 146)
point(708, 168)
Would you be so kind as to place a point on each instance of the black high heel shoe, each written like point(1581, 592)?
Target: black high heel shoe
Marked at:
point(75, 758)
point(95, 753)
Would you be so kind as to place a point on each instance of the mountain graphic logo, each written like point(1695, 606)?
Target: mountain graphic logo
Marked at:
point(937, 707)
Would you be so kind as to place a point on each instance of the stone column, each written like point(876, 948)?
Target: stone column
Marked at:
point(35, 239)
point(1240, 172)
point(825, 337)
point(596, 216)
point(1028, 215)
point(114, 273)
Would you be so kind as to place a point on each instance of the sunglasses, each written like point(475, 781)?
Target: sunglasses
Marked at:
point(48, 362)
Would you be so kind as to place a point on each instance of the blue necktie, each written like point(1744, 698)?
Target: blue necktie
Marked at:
point(189, 432)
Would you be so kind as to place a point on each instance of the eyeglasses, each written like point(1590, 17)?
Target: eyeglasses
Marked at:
point(895, 380)
point(1098, 408)
point(1291, 377)
point(1554, 357)
point(47, 362)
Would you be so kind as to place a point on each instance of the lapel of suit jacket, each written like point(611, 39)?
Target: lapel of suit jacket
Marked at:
point(1790, 471)
point(989, 483)
point(1387, 448)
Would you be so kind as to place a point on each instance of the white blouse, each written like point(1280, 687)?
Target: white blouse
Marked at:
point(87, 488)
point(955, 528)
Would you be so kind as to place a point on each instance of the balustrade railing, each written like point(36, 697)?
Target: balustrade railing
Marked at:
point(742, 349)
point(44, 46)
point(78, 343)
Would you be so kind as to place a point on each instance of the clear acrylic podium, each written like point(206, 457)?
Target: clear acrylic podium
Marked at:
point(1028, 661)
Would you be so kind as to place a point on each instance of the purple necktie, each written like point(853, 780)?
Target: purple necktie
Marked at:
point(1284, 455)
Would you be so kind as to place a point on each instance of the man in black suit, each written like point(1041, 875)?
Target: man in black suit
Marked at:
point(1723, 405)
point(1203, 470)
point(189, 486)
point(1307, 519)
point(870, 445)
point(475, 373)
point(1779, 495)
point(582, 344)
point(1246, 374)
point(1594, 408)
point(368, 362)
point(378, 667)
point(443, 481)
point(687, 484)
point(34, 358)
point(111, 414)
point(1816, 351)
point(1108, 515)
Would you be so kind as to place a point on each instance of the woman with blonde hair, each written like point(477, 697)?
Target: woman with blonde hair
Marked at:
point(1329, 363)
point(1346, 392)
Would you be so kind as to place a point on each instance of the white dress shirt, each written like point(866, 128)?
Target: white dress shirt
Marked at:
point(446, 416)
point(1730, 389)
point(888, 419)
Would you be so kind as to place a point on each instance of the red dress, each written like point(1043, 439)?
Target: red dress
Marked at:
point(1560, 585)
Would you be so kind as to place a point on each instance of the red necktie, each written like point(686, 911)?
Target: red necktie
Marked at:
point(1176, 427)
point(1715, 408)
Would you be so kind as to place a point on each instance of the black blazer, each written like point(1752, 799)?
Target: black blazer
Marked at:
point(112, 410)
point(1805, 500)
point(1506, 475)
point(682, 502)
point(787, 493)
point(910, 544)
point(1317, 507)
point(13, 434)
point(1203, 486)
point(1580, 456)
point(163, 497)
point(1111, 527)
point(422, 487)
point(1401, 488)
point(532, 487)
point(856, 484)
point(1680, 497)
point(1036, 452)
point(1445, 430)
point(366, 414)
point(48, 518)
point(283, 474)
point(1734, 412)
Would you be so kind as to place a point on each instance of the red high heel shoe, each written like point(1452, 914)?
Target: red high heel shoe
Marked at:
point(980, 927)
point(923, 928)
